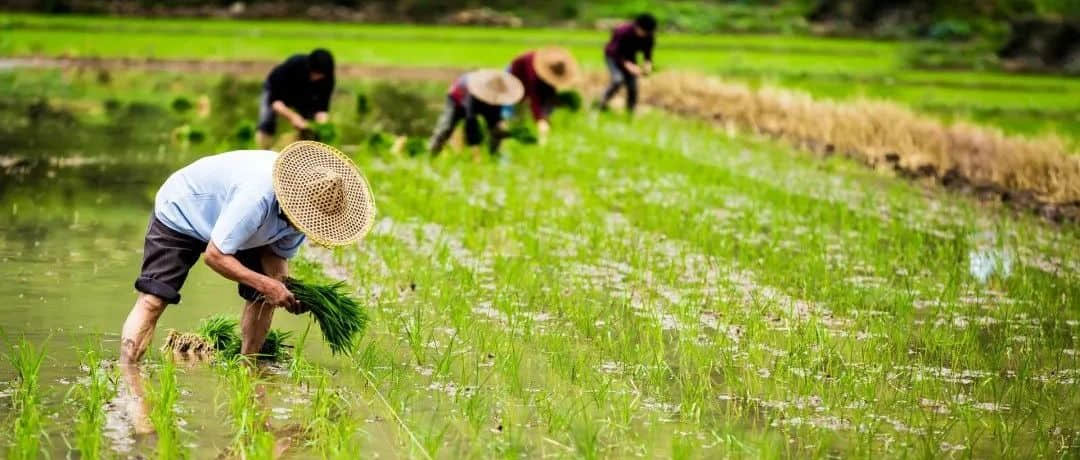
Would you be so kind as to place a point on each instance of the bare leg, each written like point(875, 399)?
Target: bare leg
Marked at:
point(135, 338)
point(134, 399)
point(254, 325)
point(139, 327)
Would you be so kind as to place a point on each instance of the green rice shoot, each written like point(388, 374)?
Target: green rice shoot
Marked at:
point(340, 317)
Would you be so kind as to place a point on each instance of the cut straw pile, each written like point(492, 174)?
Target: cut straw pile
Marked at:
point(340, 317)
point(878, 133)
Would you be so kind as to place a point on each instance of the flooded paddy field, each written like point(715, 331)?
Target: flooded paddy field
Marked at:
point(653, 287)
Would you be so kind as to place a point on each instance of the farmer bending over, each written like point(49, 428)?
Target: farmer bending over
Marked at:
point(246, 212)
point(620, 54)
point(297, 89)
point(475, 95)
point(542, 73)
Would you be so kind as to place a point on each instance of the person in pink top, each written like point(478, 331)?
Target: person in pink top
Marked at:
point(543, 73)
point(620, 54)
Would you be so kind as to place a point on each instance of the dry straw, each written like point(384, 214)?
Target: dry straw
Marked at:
point(881, 134)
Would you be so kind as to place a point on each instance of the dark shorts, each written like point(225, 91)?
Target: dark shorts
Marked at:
point(267, 117)
point(168, 256)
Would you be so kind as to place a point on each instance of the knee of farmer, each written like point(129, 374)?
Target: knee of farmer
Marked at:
point(152, 303)
point(156, 292)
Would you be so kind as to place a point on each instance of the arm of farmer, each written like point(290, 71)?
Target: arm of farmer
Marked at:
point(647, 52)
point(237, 222)
point(322, 105)
point(228, 266)
point(297, 121)
point(632, 68)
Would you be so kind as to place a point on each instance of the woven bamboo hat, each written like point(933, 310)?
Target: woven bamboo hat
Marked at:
point(556, 66)
point(494, 87)
point(323, 193)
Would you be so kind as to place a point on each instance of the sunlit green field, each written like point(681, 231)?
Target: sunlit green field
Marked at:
point(648, 287)
point(834, 68)
point(652, 287)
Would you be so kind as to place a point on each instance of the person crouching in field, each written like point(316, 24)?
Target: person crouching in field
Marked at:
point(298, 89)
point(245, 212)
point(543, 72)
point(620, 54)
point(477, 94)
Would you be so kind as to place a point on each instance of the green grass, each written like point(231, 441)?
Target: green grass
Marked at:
point(92, 396)
point(163, 399)
point(840, 68)
point(646, 287)
point(251, 439)
point(28, 416)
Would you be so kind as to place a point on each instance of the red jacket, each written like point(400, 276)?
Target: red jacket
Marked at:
point(541, 95)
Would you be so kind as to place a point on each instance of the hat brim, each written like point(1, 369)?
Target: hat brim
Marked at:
point(479, 84)
point(355, 218)
point(545, 58)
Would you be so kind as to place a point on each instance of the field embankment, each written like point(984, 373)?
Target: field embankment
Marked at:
point(1040, 173)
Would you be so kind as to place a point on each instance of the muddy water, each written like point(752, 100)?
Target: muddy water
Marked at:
point(70, 249)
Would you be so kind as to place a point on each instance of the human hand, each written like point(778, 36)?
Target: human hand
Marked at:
point(542, 128)
point(632, 68)
point(647, 67)
point(299, 122)
point(278, 295)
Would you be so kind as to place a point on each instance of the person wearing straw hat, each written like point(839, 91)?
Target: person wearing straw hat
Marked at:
point(477, 94)
point(543, 73)
point(245, 212)
point(620, 55)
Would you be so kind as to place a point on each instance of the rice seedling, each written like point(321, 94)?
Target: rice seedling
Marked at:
point(340, 317)
point(163, 399)
point(569, 99)
point(275, 347)
point(322, 132)
point(220, 331)
point(246, 412)
point(92, 396)
point(522, 134)
point(329, 425)
point(26, 403)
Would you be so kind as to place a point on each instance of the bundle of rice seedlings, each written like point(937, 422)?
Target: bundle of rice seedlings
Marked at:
point(187, 343)
point(522, 134)
point(570, 99)
point(340, 317)
point(322, 132)
point(274, 347)
point(218, 334)
point(220, 331)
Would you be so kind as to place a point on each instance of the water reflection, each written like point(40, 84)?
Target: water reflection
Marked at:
point(988, 257)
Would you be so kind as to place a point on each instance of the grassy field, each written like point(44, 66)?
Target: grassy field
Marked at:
point(650, 288)
point(647, 287)
point(835, 68)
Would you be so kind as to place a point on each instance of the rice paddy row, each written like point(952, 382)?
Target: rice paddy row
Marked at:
point(830, 68)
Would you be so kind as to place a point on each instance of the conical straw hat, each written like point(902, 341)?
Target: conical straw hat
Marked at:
point(323, 193)
point(556, 66)
point(494, 87)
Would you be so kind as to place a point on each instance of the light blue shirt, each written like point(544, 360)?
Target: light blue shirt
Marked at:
point(228, 199)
